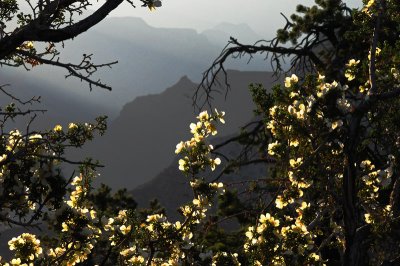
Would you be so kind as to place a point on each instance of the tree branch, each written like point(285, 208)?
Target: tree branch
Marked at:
point(238, 49)
point(372, 63)
point(39, 30)
point(73, 69)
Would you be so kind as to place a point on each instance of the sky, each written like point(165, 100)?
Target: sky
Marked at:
point(263, 16)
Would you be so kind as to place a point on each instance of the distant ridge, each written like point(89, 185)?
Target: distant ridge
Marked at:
point(141, 141)
point(149, 59)
point(220, 34)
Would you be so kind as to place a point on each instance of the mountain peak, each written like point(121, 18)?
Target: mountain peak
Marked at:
point(149, 127)
point(220, 33)
point(185, 78)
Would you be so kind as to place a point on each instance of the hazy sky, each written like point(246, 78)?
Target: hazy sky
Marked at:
point(261, 15)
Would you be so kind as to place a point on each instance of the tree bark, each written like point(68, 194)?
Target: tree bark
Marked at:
point(353, 244)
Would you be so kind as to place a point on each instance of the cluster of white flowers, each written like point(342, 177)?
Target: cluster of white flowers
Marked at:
point(288, 236)
point(373, 180)
point(290, 81)
point(274, 237)
point(27, 248)
point(299, 110)
point(14, 140)
point(78, 251)
point(324, 88)
point(123, 229)
point(351, 69)
point(272, 146)
point(219, 187)
point(79, 192)
point(367, 8)
point(196, 151)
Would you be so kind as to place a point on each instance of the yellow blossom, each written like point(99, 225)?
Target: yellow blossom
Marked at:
point(136, 259)
point(368, 6)
point(249, 234)
point(64, 227)
point(125, 229)
point(29, 45)
point(295, 162)
point(58, 128)
point(214, 163)
point(315, 256)
point(280, 203)
point(203, 116)
point(289, 81)
point(155, 218)
point(272, 110)
point(352, 63)
point(349, 75)
point(3, 157)
point(183, 165)
point(218, 186)
point(179, 147)
point(294, 143)
point(72, 126)
point(268, 218)
point(336, 124)
point(370, 3)
point(194, 128)
point(304, 205)
point(368, 218)
point(16, 261)
point(93, 214)
point(178, 225)
point(220, 116)
point(271, 147)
